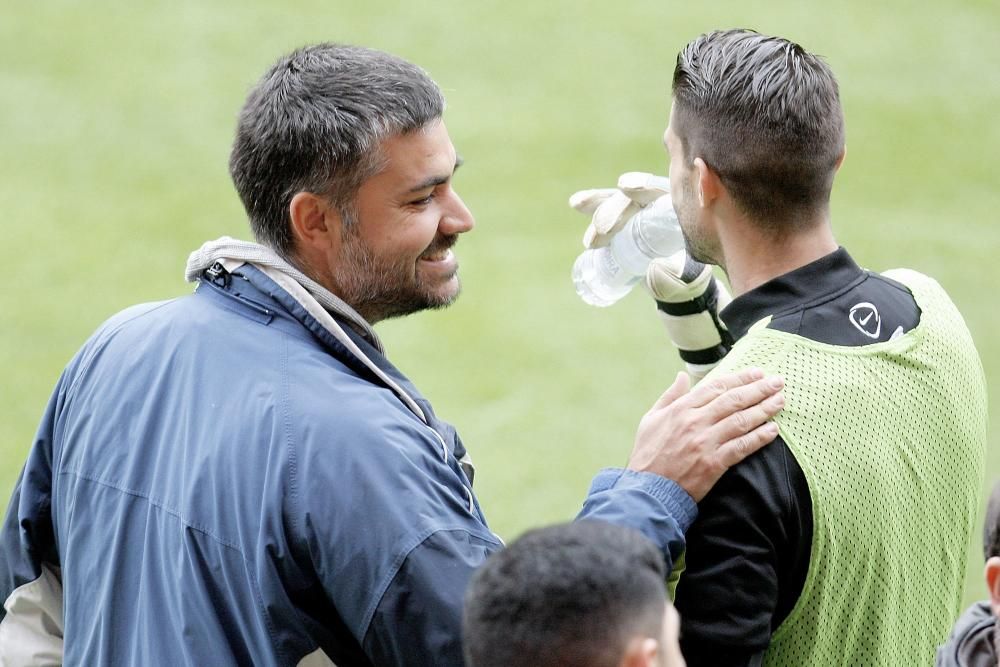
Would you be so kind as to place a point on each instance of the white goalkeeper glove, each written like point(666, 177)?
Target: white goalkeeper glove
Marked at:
point(689, 297)
point(611, 208)
point(687, 294)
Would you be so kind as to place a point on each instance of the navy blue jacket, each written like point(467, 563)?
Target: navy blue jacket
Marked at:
point(218, 480)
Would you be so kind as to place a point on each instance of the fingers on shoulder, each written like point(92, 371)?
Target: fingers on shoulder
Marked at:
point(727, 393)
point(710, 390)
point(738, 448)
point(674, 392)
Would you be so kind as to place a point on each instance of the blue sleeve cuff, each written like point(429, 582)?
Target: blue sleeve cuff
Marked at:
point(655, 506)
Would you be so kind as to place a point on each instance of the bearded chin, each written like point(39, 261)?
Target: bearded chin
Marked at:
point(380, 290)
point(695, 250)
point(391, 304)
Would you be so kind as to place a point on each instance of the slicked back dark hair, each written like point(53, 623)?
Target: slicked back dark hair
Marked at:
point(572, 594)
point(764, 115)
point(314, 123)
point(991, 526)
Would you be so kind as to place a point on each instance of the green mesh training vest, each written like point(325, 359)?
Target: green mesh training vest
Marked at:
point(892, 439)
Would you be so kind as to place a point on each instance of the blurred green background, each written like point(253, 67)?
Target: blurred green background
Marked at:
point(116, 119)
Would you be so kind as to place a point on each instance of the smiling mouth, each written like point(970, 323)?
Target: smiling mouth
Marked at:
point(440, 250)
point(437, 256)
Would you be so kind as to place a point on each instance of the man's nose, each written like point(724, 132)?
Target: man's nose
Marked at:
point(457, 217)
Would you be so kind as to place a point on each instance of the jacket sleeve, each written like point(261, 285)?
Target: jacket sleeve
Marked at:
point(394, 533)
point(394, 536)
point(31, 620)
point(418, 621)
point(655, 506)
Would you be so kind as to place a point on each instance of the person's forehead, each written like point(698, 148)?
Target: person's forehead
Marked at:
point(672, 142)
point(414, 153)
point(673, 620)
point(671, 633)
point(669, 135)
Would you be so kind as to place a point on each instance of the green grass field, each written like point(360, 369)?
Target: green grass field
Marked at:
point(116, 119)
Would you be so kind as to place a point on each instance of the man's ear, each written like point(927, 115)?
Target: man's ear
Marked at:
point(840, 160)
point(993, 583)
point(708, 184)
point(316, 224)
point(641, 652)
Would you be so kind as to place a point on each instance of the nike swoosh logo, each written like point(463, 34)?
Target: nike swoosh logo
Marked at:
point(861, 323)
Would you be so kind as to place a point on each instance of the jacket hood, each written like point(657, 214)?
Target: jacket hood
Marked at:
point(971, 640)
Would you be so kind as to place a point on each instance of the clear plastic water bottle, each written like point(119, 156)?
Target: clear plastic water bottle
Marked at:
point(602, 276)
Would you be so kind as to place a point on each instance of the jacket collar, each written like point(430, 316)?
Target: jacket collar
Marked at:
point(229, 253)
point(815, 282)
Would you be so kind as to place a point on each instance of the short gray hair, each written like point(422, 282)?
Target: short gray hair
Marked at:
point(765, 115)
point(315, 122)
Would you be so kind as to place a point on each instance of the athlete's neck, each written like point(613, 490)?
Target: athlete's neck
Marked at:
point(755, 258)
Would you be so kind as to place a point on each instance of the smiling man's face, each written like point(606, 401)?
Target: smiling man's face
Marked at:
point(396, 257)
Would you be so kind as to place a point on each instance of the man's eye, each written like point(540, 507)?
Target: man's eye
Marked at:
point(423, 201)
